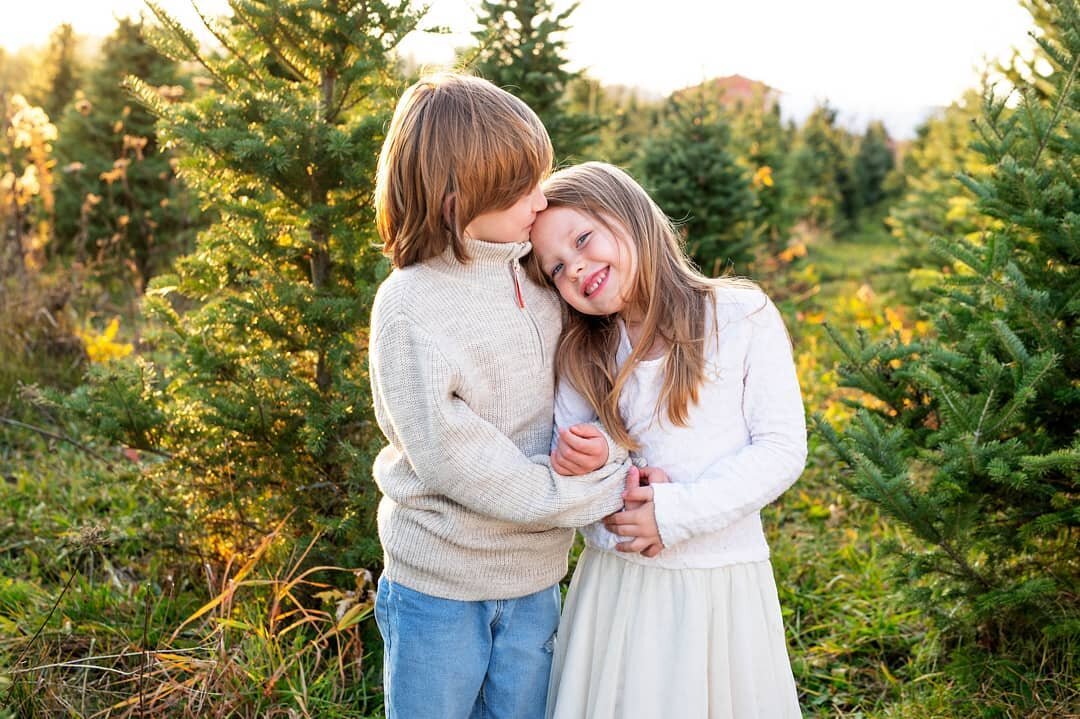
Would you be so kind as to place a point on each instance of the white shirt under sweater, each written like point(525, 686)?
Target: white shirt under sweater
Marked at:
point(463, 386)
point(744, 443)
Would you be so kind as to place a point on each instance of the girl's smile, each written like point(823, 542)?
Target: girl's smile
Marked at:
point(595, 282)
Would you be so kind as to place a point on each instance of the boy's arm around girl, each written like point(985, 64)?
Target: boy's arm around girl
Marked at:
point(458, 454)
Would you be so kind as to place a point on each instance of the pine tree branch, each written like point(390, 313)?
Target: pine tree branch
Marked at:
point(275, 182)
point(967, 570)
point(982, 416)
point(224, 40)
point(180, 33)
point(298, 75)
point(1063, 98)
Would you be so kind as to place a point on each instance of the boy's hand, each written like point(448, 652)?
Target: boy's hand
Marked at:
point(581, 449)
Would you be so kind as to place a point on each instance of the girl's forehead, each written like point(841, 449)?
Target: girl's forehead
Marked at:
point(554, 222)
point(561, 219)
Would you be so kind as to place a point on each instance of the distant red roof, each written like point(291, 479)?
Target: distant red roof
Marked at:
point(736, 89)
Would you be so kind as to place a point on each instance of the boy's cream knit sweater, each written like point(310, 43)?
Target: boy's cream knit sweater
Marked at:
point(462, 381)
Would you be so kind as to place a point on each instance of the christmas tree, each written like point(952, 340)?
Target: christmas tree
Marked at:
point(871, 166)
point(628, 117)
point(691, 172)
point(763, 144)
point(968, 437)
point(816, 174)
point(932, 203)
point(261, 403)
point(118, 199)
point(521, 50)
point(58, 77)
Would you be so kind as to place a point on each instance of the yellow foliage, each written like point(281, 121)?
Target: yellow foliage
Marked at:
point(961, 208)
point(26, 196)
point(82, 105)
point(816, 358)
point(102, 347)
point(762, 177)
point(797, 249)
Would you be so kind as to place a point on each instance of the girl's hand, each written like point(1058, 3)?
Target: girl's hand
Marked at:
point(637, 478)
point(653, 475)
point(581, 449)
point(638, 523)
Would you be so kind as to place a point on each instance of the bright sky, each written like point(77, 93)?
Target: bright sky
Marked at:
point(869, 57)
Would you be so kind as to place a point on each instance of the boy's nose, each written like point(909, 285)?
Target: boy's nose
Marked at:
point(539, 201)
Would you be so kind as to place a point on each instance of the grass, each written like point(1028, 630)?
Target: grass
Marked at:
point(101, 616)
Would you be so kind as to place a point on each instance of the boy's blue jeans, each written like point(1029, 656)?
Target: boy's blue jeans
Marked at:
point(465, 660)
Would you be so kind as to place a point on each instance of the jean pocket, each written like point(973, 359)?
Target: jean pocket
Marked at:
point(382, 611)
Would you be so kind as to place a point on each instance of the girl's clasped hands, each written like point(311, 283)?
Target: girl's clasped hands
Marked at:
point(583, 448)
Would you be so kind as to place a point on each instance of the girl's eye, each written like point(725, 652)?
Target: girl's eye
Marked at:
point(581, 240)
point(555, 270)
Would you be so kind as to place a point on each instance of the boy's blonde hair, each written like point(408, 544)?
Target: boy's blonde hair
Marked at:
point(457, 147)
point(671, 296)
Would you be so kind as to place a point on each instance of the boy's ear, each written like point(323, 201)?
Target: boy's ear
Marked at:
point(449, 205)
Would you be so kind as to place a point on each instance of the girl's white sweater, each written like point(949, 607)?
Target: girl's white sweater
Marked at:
point(744, 444)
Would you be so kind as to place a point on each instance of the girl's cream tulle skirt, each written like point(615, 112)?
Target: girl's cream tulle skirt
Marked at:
point(642, 642)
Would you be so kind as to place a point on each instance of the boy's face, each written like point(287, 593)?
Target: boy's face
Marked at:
point(511, 224)
point(592, 267)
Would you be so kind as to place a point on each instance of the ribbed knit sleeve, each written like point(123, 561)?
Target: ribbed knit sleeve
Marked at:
point(740, 484)
point(456, 453)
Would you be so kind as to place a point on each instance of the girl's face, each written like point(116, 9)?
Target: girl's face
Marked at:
point(592, 267)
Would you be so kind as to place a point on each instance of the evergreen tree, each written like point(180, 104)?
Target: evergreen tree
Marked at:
point(521, 50)
point(58, 76)
point(693, 176)
point(815, 174)
point(263, 403)
point(846, 179)
point(763, 144)
point(969, 437)
point(932, 203)
point(118, 198)
point(872, 164)
point(630, 118)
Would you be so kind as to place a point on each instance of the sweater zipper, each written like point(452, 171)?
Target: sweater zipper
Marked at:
point(516, 268)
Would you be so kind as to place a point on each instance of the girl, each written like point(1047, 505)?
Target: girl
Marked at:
point(672, 610)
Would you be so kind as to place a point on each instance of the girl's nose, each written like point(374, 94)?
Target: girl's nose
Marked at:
point(577, 267)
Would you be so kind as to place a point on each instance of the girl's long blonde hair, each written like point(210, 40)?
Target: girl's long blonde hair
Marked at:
point(668, 293)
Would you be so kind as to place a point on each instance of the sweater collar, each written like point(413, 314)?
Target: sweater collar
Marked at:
point(483, 256)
